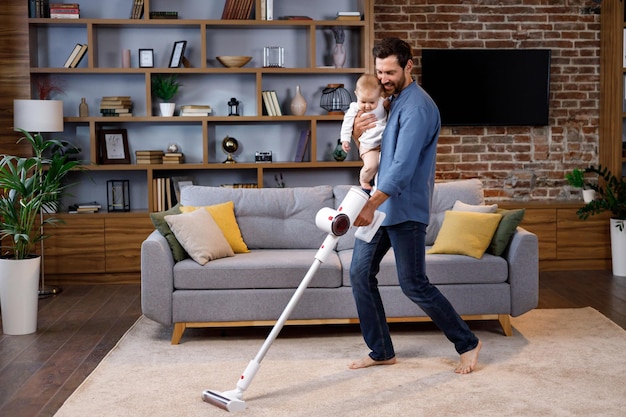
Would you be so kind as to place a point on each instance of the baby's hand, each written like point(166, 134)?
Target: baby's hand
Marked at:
point(345, 146)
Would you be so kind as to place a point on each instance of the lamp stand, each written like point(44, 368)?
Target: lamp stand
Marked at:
point(43, 290)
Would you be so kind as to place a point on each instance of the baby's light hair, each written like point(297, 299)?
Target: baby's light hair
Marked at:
point(368, 82)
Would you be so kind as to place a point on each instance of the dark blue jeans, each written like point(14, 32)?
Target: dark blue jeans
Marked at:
point(407, 240)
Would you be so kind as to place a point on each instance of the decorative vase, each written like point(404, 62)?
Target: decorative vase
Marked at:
point(339, 154)
point(83, 108)
point(19, 294)
point(618, 247)
point(298, 103)
point(167, 109)
point(339, 55)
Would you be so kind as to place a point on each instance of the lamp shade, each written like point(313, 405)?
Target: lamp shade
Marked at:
point(38, 115)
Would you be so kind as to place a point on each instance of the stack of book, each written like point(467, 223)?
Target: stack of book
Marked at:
point(136, 11)
point(163, 15)
point(75, 56)
point(64, 11)
point(149, 157)
point(270, 103)
point(92, 207)
point(173, 158)
point(238, 9)
point(195, 110)
point(116, 106)
point(348, 16)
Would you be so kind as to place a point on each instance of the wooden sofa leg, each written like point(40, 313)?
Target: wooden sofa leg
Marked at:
point(505, 322)
point(177, 333)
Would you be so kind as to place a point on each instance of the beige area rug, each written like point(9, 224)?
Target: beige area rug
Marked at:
point(558, 363)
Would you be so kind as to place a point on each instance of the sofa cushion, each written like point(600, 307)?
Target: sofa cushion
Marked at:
point(158, 220)
point(510, 220)
point(466, 233)
point(260, 268)
point(445, 194)
point(198, 233)
point(441, 269)
point(270, 218)
point(479, 208)
point(224, 216)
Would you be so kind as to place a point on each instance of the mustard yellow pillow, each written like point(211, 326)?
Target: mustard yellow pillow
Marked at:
point(466, 233)
point(224, 216)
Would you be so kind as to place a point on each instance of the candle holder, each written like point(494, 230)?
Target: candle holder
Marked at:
point(335, 99)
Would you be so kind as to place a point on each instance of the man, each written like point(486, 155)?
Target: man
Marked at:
point(403, 191)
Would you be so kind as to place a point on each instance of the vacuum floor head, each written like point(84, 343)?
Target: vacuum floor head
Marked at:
point(223, 400)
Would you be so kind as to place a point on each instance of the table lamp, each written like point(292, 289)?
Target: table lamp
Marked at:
point(39, 116)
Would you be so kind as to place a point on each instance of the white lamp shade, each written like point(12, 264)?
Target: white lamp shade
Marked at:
point(38, 115)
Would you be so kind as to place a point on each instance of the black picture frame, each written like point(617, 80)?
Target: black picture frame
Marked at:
point(178, 53)
point(146, 58)
point(113, 146)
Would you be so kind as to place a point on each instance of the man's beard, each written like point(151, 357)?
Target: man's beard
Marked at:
point(394, 88)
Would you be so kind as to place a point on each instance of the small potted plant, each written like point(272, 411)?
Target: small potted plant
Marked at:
point(27, 186)
point(611, 197)
point(165, 87)
point(576, 179)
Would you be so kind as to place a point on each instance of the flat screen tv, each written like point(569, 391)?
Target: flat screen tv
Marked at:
point(488, 87)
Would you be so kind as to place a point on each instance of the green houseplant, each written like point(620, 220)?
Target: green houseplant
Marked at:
point(165, 87)
point(611, 197)
point(576, 179)
point(27, 184)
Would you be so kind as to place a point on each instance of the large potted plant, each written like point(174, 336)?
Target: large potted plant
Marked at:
point(27, 185)
point(165, 87)
point(611, 197)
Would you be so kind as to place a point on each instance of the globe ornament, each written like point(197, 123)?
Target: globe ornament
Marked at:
point(230, 146)
point(172, 148)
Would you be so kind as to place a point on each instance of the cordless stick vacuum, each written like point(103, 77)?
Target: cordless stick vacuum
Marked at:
point(336, 223)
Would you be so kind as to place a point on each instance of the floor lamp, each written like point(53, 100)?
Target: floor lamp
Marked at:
point(39, 116)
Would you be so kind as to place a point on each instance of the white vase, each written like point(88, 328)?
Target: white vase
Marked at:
point(167, 109)
point(298, 103)
point(339, 55)
point(19, 295)
point(618, 247)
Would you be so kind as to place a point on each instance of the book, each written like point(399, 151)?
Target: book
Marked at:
point(275, 103)
point(64, 5)
point(150, 152)
point(303, 141)
point(269, 9)
point(79, 56)
point(64, 16)
point(72, 55)
point(348, 13)
point(348, 18)
point(293, 17)
point(164, 15)
point(269, 105)
point(65, 11)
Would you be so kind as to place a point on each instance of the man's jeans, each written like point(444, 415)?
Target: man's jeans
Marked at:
point(407, 240)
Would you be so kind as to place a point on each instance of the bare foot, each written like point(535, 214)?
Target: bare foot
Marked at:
point(366, 362)
point(469, 360)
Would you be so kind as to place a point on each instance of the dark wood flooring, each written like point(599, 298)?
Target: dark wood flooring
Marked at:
point(79, 326)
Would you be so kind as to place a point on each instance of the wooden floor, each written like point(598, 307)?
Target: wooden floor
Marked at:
point(80, 325)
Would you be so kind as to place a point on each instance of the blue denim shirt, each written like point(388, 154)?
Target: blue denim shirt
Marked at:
point(408, 156)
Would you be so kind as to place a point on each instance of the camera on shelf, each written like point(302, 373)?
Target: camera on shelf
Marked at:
point(263, 156)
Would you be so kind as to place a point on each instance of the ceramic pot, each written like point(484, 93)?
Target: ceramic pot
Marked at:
point(167, 109)
point(618, 247)
point(589, 195)
point(19, 295)
point(298, 103)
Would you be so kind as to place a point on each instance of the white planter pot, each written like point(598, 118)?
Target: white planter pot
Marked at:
point(618, 248)
point(589, 195)
point(167, 109)
point(19, 295)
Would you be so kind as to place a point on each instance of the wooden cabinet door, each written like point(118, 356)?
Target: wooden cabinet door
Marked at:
point(123, 242)
point(75, 246)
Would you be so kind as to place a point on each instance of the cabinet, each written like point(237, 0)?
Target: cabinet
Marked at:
point(107, 30)
point(612, 95)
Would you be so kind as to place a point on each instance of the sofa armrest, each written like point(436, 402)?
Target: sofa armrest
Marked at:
point(522, 256)
point(157, 278)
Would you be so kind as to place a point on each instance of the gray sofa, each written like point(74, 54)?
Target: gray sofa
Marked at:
point(278, 226)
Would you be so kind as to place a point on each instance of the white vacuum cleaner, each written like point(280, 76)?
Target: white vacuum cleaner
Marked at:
point(336, 223)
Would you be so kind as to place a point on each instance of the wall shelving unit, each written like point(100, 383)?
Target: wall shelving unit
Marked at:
point(108, 30)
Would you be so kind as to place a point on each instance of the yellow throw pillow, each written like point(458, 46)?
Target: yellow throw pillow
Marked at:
point(466, 233)
point(224, 216)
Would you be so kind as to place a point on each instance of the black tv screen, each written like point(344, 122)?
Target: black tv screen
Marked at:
point(488, 87)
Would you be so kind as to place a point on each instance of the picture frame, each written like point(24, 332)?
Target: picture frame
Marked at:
point(146, 58)
point(113, 146)
point(178, 53)
point(180, 182)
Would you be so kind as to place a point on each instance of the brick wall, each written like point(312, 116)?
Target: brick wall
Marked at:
point(522, 163)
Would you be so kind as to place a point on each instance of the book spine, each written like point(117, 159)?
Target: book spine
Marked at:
point(269, 12)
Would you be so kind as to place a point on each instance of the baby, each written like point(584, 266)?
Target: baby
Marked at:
point(370, 100)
